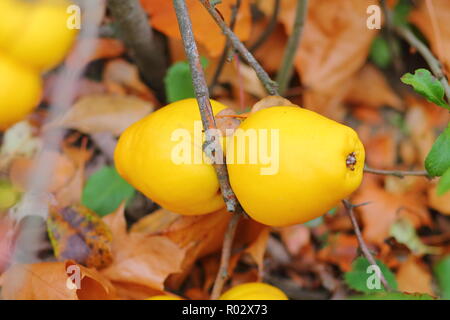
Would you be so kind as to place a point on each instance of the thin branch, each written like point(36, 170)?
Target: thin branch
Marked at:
point(362, 244)
point(222, 274)
point(226, 49)
point(396, 173)
point(433, 62)
point(269, 84)
point(138, 36)
point(285, 74)
point(269, 29)
point(202, 95)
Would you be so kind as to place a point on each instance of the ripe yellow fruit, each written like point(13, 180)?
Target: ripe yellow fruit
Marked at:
point(315, 163)
point(254, 291)
point(20, 91)
point(164, 297)
point(147, 157)
point(36, 32)
point(9, 195)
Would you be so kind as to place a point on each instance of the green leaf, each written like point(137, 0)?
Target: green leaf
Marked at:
point(401, 12)
point(393, 296)
point(442, 272)
point(380, 53)
point(105, 190)
point(438, 160)
point(404, 232)
point(178, 81)
point(427, 85)
point(361, 277)
point(444, 183)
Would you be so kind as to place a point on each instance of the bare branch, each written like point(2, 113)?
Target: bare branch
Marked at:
point(222, 275)
point(285, 74)
point(362, 244)
point(226, 49)
point(202, 95)
point(139, 38)
point(396, 173)
point(269, 84)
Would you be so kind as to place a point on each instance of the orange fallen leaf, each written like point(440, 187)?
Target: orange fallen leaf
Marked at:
point(49, 281)
point(385, 207)
point(193, 234)
point(439, 203)
point(141, 259)
point(295, 238)
point(63, 171)
point(162, 17)
point(257, 249)
point(380, 149)
point(419, 119)
point(414, 277)
point(335, 42)
point(270, 53)
point(121, 76)
point(108, 48)
point(104, 113)
point(340, 250)
point(434, 25)
point(370, 88)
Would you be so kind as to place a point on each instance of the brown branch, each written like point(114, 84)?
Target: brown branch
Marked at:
point(285, 74)
point(136, 32)
point(226, 49)
point(202, 95)
point(269, 29)
point(269, 84)
point(396, 173)
point(222, 274)
point(362, 244)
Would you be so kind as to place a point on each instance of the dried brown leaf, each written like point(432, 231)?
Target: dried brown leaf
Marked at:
point(146, 260)
point(49, 281)
point(105, 113)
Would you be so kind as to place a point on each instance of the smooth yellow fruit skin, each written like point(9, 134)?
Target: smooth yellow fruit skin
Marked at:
point(20, 91)
point(164, 297)
point(312, 176)
point(143, 157)
point(254, 291)
point(36, 32)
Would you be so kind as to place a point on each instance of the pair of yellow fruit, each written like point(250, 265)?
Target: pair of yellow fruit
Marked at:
point(314, 162)
point(246, 291)
point(34, 37)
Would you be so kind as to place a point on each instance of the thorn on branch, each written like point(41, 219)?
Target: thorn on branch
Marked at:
point(396, 173)
point(362, 244)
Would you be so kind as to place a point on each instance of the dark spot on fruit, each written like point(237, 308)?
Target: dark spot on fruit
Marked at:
point(351, 161)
